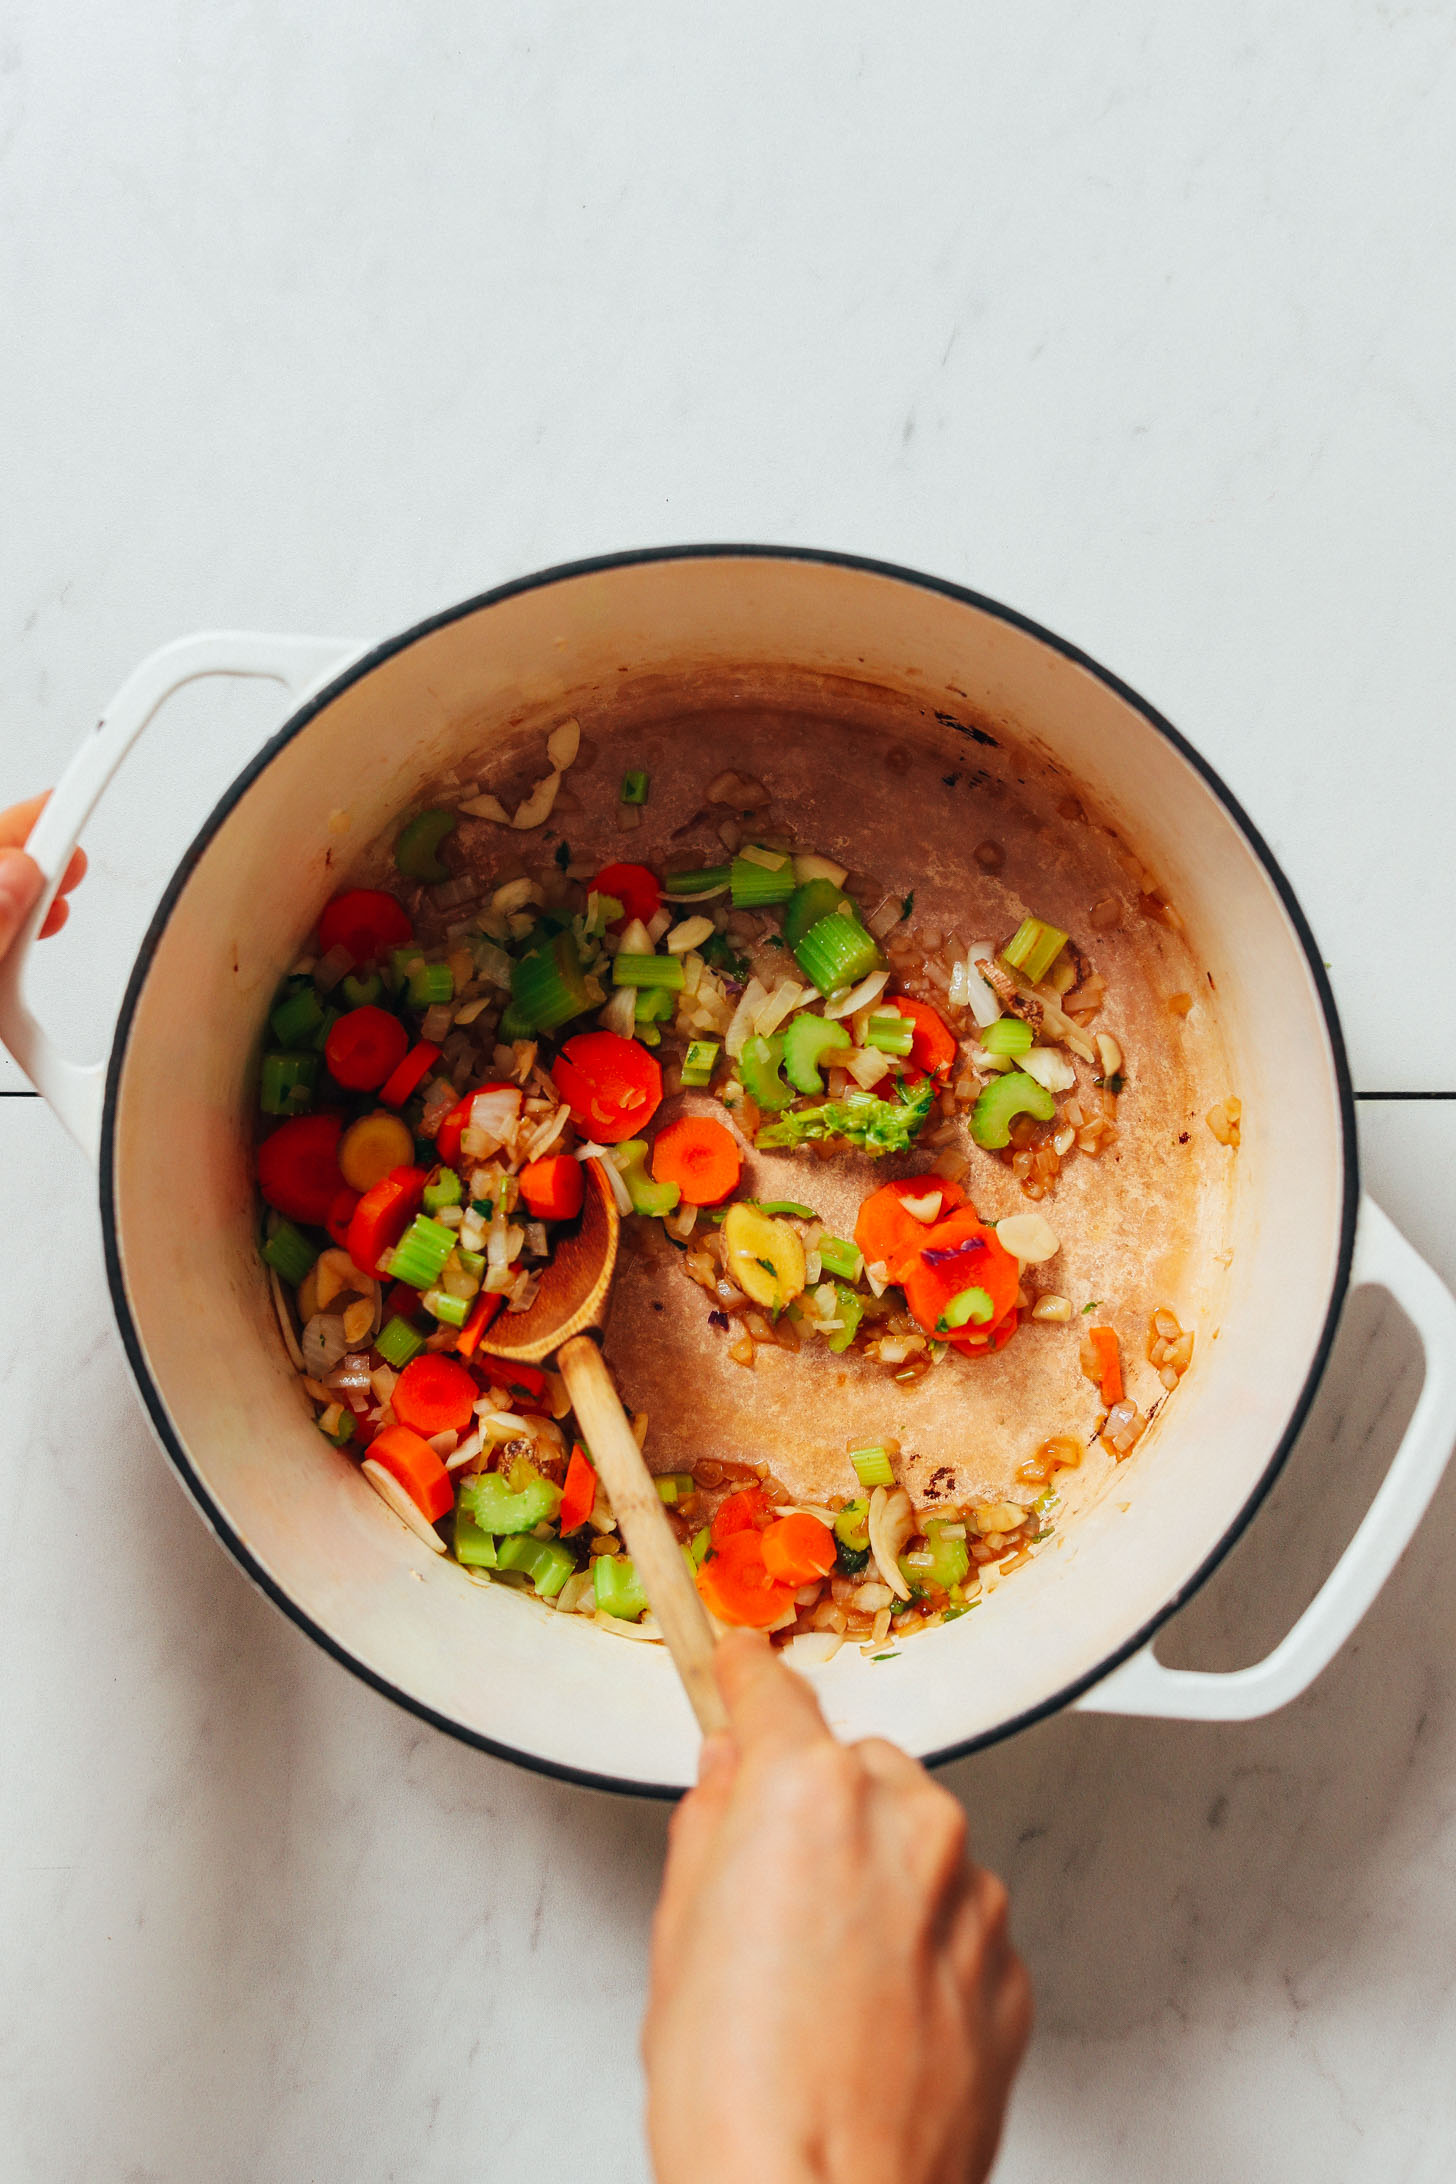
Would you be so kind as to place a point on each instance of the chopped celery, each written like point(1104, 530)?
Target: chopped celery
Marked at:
point(431, 983)
point(647, 1197)
point(852, 1537)
point(440, 1305)
point(417, 851)
point(330, 1018)
point(421, 1252)
point(397, 1342)
point(444, 1191)
point(879, 1126)
point(758, 1066)
point(972, 1307)
point(890, 1034)
point(648, 1033)
point(289, 1253)
point(400, 961)
point(516, 1504)
point(343, 1432)
point(297, 1016)
point(872, 1466)
point(545, 1561)
point(1000, 1104)
point(840, 1257)
point(848, 1308)
point(793, 1206)
point(675, 1486)
point(808, 1039)
point(689, 886)
point(286, 1082)
point(548, 987)
point(1008, 1035)
point(1033, 948)
point(515, 1023)
point(606, 913)
point(648, 970)
point(634, 787)
point(816, 899)
point(473, 1546)
point(618, 1588)
point(699, 1062)
point(361, 992)
point(756, 885)
point(697, 1547)
point(836, 952)
point(655, 1005)
point(473, 1262)
point(948, 1568)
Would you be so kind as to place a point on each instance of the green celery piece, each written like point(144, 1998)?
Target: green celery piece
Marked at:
point(836, 952)
point(852, 1536)
point(807, 1040)
point(699, 1062)
point(450, 1311)
point(286, 1083)
point(517, 1504)
point(618, 1588)
point(290, 1254)
point(674, 1486)
point(362, 990)
point(548, 986)
point(758, 1066)
point(397, 1342)
point(1000, 1104)
point(473, 1545)
point(697, 1547)
point(690, 886)
point(655, 1005)
point(297, 1016)
point(1008, 1035)
point(972, 1307)
point(421, 1252)
point(400, 960)
point(879, 1126)
point(816, 899)
point(545, 1561)
point(1033, 948)
point(430, 983)
point(952, 1561)
point(343, 1433)
point(755, 886)
point(444, 1191)
point(648, 970)
point(838, 1256)
point(890, 1034)
point(872, 1466)
point(635, 786)
point(851, 1311)
point(654, 1199)
point(416, 852)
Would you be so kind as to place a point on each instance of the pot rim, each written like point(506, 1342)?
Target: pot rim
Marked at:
point(637, 557)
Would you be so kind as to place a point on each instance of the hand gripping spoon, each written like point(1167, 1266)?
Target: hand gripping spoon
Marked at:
point(565, 1320)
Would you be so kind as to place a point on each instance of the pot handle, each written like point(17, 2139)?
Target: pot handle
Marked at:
point(74, 1089)
point(1385, 1260)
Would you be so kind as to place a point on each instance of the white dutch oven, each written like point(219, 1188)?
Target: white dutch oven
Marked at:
point(179, 1223)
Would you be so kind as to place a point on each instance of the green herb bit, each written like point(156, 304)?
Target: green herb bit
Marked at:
point(872, 1465)
point(907, 904)
point(723, 957)
point(860, 1118)
point(699, 1062)
point(416, 852)
point(1094, 1306)
point(397, 1342)
point(290, 1254)
point(884, 1656)
point(562, 855)
point(634, 787)
point(1033, 948)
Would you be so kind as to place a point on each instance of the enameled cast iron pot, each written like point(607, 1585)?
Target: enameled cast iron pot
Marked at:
point(368, 727)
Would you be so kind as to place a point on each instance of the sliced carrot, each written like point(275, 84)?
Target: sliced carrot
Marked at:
point(553, 1188)
point(797, 1549)
point(1109, 1363)
point(407, 1078)
point(984, 1342)
point(735, 1583)
point(932, 1044)
point(578, 1494)
point(886, 1233)
point(746, 1511)
point(365, 1046)
point(382, 1216)
point(956, 1254)
point(481, 1313)
point(634, 887)
point(366, 921)
point(341, 1213)
point(612, 1085)
point(412, 1461)
point(434, 1394)
point(700, 1156)
point(298, 1167)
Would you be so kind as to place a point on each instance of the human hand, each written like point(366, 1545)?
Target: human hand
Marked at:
point(20, 876)
point(834, 1995)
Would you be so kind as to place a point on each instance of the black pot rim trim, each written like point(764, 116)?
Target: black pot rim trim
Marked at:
point(565, 572)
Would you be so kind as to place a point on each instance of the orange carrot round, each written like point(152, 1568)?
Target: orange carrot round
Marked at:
point(932, 1044)
point(579, 1493)
point(797, 1549)
point(957, 1254)
point(1109, 1363)
point(748, 1510)
point(434, 1394)
point(553, 1188)
point(886, 1233)
point(413, 1463)
point(700, 1156)
point(736, 1585)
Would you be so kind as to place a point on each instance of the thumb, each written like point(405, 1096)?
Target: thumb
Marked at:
point(20, 884)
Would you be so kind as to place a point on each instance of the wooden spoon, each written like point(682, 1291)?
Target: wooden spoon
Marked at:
point(566, 1318)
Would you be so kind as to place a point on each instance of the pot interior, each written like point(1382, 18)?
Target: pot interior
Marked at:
point(859, 661)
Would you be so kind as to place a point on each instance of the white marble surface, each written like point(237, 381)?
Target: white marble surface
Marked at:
point(1138, 318)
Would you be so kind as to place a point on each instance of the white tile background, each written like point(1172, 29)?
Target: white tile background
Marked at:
point(1138, 318)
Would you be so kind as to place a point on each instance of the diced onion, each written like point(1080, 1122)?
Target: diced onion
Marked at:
point(563, 743)
point(1052, 1071)
point(782, 1002)
point(689, 934)
point(603, 1153)
point(811, 867)
point(496, 1112)
point(740, 1030)
point(436, 1022)
point(323, 1342)
point(536, 808)
point(866, 1065)
point(869, 989)
point(620, 1013)
point(285, 1319)
point(485, 807)
point(968, 990)
point(330, 968)
point(493, 964)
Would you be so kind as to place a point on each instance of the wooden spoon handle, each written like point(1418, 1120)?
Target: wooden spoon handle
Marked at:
point(637, 1506)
